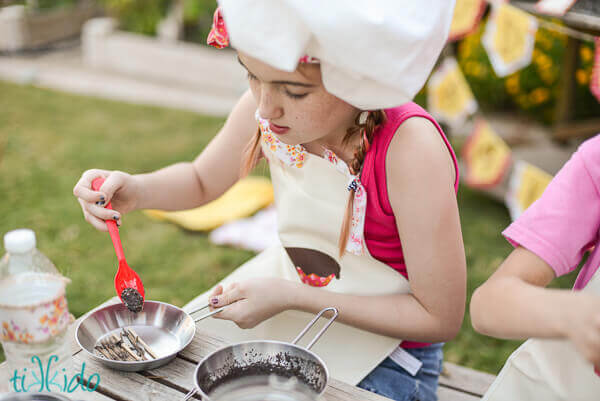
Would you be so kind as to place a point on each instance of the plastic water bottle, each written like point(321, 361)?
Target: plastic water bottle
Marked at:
point(34, 316)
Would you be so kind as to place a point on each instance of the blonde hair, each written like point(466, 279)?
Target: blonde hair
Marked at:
point(251, 154)
point(367, 130)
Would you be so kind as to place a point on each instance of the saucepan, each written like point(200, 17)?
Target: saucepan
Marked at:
point(163, 328)
point(265, 367)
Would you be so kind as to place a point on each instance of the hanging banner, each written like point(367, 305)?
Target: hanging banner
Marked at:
point(554, 7)
point(486, 156)
point(526, 185)
point(467, 14)
point(595, 81)
point(509, 38)
point(449, 97)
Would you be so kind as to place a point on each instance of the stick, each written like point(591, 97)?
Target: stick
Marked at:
point(118, 347)
point(131, 349)
point(121, 343)
point(102, 351)
point(148, 349)
point(108, 347)
point(141, 351)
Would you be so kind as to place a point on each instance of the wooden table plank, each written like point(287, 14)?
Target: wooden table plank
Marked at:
point(448, 394)
point(128, 386)
point(465, 379)
point(578, 19)
point(178, 374)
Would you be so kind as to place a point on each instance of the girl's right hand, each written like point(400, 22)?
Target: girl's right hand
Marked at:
point(119, 188)
point(583, 326)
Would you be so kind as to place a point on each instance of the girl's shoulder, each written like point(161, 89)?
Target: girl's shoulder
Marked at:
point(415, 133)
point(410, 124)
point(589, 154)
point(590, 149)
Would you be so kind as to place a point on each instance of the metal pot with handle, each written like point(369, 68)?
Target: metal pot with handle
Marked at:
point(273, 370)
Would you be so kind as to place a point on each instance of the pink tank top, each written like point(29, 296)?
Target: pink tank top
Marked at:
point(380, 231)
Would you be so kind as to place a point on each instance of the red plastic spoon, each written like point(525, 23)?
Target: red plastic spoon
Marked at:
point(126, 277)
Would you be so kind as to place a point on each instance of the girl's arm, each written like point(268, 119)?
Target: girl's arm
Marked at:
point(513, 304)
point(177, 187)
point(216, 169)
point(420, 177)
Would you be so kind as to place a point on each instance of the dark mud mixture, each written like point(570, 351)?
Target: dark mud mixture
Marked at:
point(132, 299)
point(283, 365)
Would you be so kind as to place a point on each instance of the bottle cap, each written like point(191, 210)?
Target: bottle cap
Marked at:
point(19, 241)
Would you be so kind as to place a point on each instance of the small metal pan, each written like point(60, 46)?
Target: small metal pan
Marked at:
point(166, 329)
point(230, 367)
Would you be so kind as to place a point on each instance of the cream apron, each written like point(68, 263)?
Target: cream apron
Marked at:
point(310, 198)
point(547, 370)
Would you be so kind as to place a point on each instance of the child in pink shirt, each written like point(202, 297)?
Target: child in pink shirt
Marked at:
point(550, 239)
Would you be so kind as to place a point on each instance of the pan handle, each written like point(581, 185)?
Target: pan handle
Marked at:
point(209, 314)
point(190, 394)
point(312, 323)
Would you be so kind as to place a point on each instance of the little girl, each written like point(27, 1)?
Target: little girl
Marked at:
point(365, 187)
point(550, 239)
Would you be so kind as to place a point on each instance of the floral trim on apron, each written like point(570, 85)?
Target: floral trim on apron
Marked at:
point(295, 155)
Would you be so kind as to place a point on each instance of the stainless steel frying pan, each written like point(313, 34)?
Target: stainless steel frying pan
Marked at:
point(166, 329)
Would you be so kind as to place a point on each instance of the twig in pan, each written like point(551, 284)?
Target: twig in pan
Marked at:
point(140, 341)
point(132, 349)
point(110, 349)
point(103, 351)
point(120, 343)
point(138, 347)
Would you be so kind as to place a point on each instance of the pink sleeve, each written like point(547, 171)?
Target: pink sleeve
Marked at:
point(561, 225)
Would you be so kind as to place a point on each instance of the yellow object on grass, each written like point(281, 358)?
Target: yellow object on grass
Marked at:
point(243, 199)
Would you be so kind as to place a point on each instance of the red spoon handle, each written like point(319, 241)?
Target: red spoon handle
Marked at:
point(113, 230)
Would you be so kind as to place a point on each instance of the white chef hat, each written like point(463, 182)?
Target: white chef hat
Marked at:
point(373, 53)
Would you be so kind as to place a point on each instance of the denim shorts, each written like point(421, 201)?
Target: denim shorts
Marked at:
point(391, 380)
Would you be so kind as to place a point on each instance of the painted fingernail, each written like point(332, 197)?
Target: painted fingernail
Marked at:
point(115, 217)
point(100, 203)
point(214, 300)
point(102, 199)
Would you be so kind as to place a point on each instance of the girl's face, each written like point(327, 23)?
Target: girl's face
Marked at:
point(296, 104)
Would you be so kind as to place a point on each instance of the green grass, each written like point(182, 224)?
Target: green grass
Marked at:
point(47, 139)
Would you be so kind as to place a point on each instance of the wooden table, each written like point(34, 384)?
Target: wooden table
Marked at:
point(173, 381)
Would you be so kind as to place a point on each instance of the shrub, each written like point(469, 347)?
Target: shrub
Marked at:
point(139, 16)
point(534, 89)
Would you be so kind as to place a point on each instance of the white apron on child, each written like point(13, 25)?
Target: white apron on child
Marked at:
point(547, 370)
point(311, 197)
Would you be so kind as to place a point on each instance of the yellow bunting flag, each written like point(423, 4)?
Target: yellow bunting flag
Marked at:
point(595, 82)
point(526, 185)
point(554, 7)
point(486, 156)
point(467, 14)
point(509, 38)
point(449, 97)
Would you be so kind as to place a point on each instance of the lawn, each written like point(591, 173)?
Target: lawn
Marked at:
point(47, 139)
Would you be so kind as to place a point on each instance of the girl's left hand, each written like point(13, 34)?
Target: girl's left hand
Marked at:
point(252, 301)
